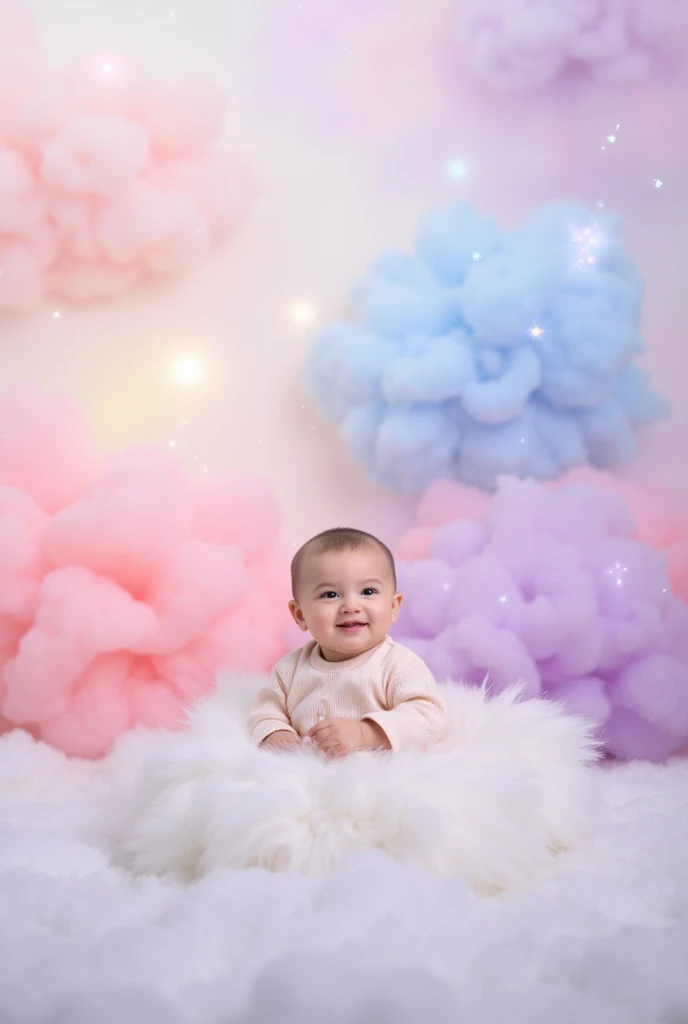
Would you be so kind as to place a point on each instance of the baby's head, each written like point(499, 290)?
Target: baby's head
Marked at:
point(344, 591)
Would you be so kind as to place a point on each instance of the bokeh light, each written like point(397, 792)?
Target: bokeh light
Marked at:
point(188, 370)
point(457, 168)
point(302, 314)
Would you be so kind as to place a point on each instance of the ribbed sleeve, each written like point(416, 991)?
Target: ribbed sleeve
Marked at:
point(417, 715)
point(269, 711)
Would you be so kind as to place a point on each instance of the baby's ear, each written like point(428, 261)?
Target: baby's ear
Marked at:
point(396, 604)
point(297, 615)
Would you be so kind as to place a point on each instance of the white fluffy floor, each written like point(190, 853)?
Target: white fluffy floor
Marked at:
point(601, 938)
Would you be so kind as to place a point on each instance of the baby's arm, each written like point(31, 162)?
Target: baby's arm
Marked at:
point(268, 722)
point(417, 716)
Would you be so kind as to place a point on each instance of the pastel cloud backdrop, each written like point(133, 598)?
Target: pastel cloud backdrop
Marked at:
point(208, 365)
point(330, 201)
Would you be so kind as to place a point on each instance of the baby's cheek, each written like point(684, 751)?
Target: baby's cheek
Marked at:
point(321, 617)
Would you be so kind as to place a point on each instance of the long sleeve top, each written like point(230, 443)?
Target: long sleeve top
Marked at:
point(389, 685)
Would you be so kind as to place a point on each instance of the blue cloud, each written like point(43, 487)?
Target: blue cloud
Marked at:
point(489, 352)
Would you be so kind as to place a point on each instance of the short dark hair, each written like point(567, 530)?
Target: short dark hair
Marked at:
point(339, 538)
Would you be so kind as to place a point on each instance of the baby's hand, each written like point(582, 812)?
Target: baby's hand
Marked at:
point(281, 740)
point(339, 736)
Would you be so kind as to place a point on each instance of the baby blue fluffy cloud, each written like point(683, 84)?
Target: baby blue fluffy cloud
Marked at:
point(489, 352)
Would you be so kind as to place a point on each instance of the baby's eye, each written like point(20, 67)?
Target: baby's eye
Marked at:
point(329, 593)
point(369, 591)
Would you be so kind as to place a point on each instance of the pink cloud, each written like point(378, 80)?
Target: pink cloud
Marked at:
point(124, 584)
point(106, 174)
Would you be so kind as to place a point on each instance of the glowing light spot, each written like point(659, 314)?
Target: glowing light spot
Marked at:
point(535, 332)
point(188, 370)
point(457, 169)
point(57, 315)
point(611, 138)
point(108, 66)
point(477, 257)
point(173, 444)
point(502, 599)
point(657, 183)
point(302, 314)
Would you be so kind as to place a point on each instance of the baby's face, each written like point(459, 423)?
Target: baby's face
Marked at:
point(346, 599)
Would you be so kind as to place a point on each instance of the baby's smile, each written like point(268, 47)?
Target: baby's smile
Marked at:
point(351, 626)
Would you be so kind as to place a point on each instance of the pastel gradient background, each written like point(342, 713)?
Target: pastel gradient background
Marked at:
point(349, 121)
point(346, 162)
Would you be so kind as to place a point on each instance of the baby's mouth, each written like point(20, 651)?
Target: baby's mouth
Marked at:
point(351, 627)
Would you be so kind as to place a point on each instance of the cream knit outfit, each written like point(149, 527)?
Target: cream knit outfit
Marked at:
point(388, 684)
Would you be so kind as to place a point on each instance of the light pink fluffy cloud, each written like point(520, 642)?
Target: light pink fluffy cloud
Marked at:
point(106, 174)
point(524, 44)
point(124, 585)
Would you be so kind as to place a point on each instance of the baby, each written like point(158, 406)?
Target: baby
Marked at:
point(351, 687)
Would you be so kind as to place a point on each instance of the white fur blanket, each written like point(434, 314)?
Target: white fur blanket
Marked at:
point(509, 787)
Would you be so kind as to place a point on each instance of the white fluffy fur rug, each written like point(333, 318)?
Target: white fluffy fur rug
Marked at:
point(508, 788)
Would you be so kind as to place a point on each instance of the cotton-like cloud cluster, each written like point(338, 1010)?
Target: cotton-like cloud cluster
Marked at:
point(600, 938)
point(490, 351)
point(551, 585)
point(106, 174)
point(520, 45)
point(124, 586)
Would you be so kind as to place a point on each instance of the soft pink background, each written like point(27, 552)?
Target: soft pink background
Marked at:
point(347, 160)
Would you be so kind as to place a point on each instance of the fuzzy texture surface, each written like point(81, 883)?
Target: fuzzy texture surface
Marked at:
point(554, 586)
point(125, 582)
point(490, 351)
point(107, 175)
point(599, 937)
point(508, 787)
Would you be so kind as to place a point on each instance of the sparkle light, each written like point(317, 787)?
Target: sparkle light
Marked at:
point(657, 182)
point(477, 257)
point(188, 370)
point(302, 314)
point(615, 570)
point(535, 332)
point(587, 239)
point(57, 315)
point(457, 168)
